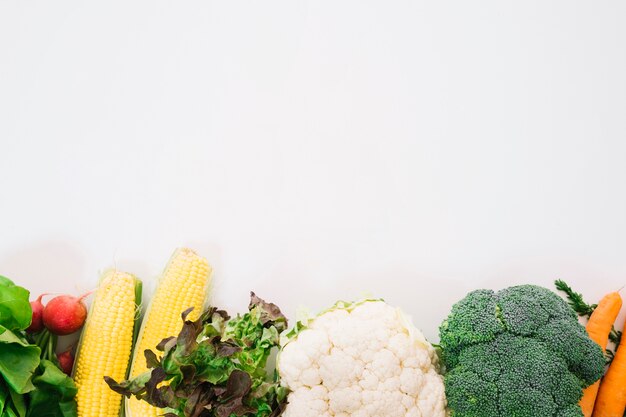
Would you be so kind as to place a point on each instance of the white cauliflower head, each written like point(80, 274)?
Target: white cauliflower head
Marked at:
point(364, 359)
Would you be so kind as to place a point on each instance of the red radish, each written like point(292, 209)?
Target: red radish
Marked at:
point(65, 314)
point(66, 361)
point(36, 324)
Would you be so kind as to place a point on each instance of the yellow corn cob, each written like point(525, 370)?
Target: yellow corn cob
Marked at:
point(184, 283)
point(106, 344)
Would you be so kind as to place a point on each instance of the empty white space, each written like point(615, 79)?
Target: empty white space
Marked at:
point(315, 151)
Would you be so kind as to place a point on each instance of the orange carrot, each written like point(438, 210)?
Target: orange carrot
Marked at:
point(611, 401)
point(599, 326)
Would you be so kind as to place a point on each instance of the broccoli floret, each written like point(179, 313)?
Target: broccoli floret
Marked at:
point(570, 341)
point(473, 320)
point(526, 402)
point(522, 310)
point(516, 353)
point(567, 391)
point(572, 410)
point(470, 395)
point(481, 360)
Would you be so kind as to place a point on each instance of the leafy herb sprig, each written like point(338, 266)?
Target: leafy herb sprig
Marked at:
point(578, 304)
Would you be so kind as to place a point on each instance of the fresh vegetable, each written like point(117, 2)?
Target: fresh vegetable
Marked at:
point(611, 400)
point(65, 314)
point(184, 284)
point(54, 393)
point(29, 386)
point(215, 367)
point(41, 336)
point(36, 324)
point(517, 352)
point(18, 361)
point(15, 310)
point(599, 327)
point(66, 361)
point(47, 342)
point(578, 304)
point(106, 343)
point(360, 359)
point(575, 300)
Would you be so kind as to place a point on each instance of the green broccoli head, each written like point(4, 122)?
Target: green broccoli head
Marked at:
point(518, 352)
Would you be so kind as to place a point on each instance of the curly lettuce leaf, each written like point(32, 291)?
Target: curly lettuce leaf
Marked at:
point(215, 367)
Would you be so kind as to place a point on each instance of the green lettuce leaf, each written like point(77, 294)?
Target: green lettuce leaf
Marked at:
point(4, 394)
point(15, 310)
point(215, 367)
point(54, 394)
point(18, 361)
point(10, 411)
point(19, 403)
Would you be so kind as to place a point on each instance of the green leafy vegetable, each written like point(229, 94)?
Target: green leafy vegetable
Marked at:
point(215, 367)
point(29, 385)
point(4, 393)
point(19, 405)
point(15, 310)
point(18, 361)
point(54, 396)
point(578, 304)
point(516, 352)
point(575, 300)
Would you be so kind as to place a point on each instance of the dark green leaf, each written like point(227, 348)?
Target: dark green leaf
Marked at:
point(54, 393)
point(18, 361)
point(615, 336)
point(68, 409)
point(4, 394)
point(52, 378)
point(19, 405)
point(9, 411)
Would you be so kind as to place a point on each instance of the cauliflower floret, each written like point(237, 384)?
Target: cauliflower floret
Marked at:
point(338, 369)
point(315, 344)
point(309, 402)
point(411, 381)
point(345, 400)
point(361, 360)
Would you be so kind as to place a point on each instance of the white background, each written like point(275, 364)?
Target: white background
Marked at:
point(314, 151)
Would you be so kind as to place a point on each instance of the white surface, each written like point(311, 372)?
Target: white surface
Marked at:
point(316, 150)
